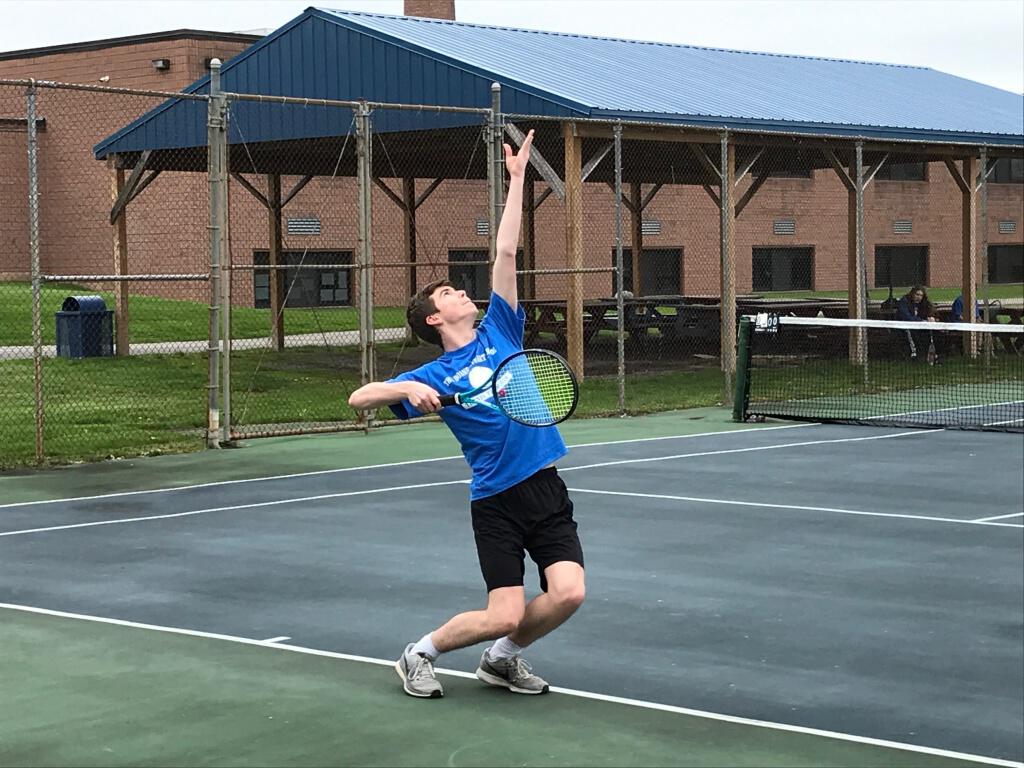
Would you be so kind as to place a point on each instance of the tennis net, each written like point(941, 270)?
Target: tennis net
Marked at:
point(918, 374)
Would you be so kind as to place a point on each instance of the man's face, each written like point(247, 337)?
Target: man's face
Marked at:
point(452, 304)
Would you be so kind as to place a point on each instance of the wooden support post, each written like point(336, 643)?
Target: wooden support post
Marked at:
point(409, 228)
point(969, 231)
point(573, 145)
point(636, 219)
point(727, 314)
point(121, 318)
point(277, 276)
point(529, 239)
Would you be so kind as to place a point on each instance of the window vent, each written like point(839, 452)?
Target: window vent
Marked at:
point(650, 227)
point(784, 227)
point(309, 225)
point(1007, 227)
point(903, 227)
point(483, 227)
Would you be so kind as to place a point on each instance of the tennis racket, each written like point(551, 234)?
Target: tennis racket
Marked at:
point(533, 387)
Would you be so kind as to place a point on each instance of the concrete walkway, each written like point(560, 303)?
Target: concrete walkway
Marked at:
point(328, 338)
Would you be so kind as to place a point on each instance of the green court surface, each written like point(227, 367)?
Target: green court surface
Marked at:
point(80, 693)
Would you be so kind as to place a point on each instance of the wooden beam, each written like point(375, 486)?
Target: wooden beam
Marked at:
point(129, 187)
point(530, 238)
point(595, 161)
point(142, 185)
point(277, 293)
point(704, 160)
point(650, 195)
point(296, 189)
point(408, 206)
point(636, 222)
point(573, 148)
point(427, 192)
point(713, 195)
point(969, 233)
point(118, 190)
point(247, 186)
point(625, 200)
point(387, 191)
point(747, 196)
point(844, 177)
point(639, 133)
point(961, 182)
point(874, 169)
point(741, 172)
point(543, 196)
point(727, 219)
point(537, 161)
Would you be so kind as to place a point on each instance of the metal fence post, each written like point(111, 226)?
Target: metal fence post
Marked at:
point(33, 247)
point(619, 298)
point(982, 261)
point(728, 288)
point(497, 176)
point(364, 182)
point(216, 151)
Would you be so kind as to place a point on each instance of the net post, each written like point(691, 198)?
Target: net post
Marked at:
point(619, 298)
point(743, 356)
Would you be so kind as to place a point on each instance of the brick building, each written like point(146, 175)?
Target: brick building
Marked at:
point(792, 236)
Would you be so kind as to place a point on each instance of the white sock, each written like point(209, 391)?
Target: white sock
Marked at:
point(426, 647)
point(504, 649)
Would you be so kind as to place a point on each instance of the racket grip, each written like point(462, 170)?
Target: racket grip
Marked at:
point(447, 400)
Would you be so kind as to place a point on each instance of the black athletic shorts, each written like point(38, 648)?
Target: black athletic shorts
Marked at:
point(533, 516)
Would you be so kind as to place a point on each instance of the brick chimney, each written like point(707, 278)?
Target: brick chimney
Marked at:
point(431, 9)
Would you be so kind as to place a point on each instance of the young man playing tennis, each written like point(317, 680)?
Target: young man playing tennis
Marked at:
point(519, 503)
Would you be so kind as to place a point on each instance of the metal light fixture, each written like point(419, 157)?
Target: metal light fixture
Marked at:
point(161, 65)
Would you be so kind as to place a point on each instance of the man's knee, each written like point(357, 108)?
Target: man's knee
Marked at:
point(504, 621)
point(567, 589)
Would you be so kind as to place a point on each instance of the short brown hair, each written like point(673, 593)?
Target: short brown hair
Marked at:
point(421, 306)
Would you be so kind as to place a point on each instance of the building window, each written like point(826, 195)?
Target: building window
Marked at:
point(660, 270)
point(901, 265)
point(310, 285)
point(903, 172)
point(783, 269)
point(475, 278)
point(1006, 263)
point(1008, 170)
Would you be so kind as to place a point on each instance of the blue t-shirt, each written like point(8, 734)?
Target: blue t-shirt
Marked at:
point(500, 451)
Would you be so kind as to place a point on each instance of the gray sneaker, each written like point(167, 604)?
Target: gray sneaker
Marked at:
point(514, 674)
point(417, 673)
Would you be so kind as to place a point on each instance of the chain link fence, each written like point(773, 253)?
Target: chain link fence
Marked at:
point(249, 284)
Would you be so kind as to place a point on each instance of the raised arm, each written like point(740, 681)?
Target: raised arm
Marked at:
point(503, 279)
point(379, 393)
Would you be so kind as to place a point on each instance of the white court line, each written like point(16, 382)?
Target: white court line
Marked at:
point(564, 691)
point(275, 640)
point(313, 473)
point(950, 408)
point(999, 517)
point(1000, 423)
point(796, 506)
point(231, 508)
point(747, 450)
point(431, 485)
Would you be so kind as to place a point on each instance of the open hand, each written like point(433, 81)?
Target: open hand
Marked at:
point(516, 163)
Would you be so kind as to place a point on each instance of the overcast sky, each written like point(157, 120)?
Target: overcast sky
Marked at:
point(981, 40)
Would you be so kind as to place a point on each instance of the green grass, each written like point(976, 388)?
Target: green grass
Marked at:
point(155, 319)
point(100, 408)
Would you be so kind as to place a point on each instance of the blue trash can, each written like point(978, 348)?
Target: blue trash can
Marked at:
point(85, 328)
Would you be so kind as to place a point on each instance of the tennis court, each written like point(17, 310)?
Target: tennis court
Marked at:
point(771, 594)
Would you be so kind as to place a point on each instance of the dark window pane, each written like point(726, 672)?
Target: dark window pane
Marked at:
point(659, 271)
point(303, 281)
point(1008, 170)
point(902, 265)
point(1006, 263)
point(782, 269)
point(903, 172)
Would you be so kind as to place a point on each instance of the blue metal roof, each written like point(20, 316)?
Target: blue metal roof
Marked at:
point(350, 55)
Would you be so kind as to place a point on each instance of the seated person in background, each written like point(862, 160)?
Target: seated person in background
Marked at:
point(956, 314)
point(915, 306)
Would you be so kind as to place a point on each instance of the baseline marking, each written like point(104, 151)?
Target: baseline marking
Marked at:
point(998, 517)
point(766, 505)
point(565, 691)
point(230, 508)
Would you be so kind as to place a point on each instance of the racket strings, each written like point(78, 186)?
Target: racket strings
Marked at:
point(536, 389)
